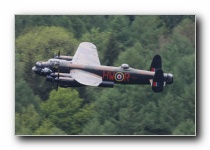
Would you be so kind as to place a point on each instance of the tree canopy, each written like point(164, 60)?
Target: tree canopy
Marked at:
point(122, 110)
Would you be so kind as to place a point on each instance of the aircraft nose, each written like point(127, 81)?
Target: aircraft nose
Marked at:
point(38, 63)
point(33, 68)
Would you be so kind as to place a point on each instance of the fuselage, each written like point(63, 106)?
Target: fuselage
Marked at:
point(116, 74)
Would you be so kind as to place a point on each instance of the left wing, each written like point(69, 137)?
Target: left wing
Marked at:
point(86, 54)
point(86, 78)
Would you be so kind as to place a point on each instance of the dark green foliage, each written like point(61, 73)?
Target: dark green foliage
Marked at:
point(122, 110)
point(48, 128)
point(171, 21)
point(147, 30)
point(25, 96)
point(185, 128)
point(27, 121)
point(63, 109)
point(112, 50)
point(44, 42)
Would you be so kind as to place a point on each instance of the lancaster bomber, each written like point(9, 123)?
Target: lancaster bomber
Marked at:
point(84, 69)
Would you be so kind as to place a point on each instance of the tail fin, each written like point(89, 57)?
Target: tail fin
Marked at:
point(157, 83)
point(156, 63)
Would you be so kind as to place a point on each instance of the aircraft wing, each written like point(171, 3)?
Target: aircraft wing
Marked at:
point(86, 78)
point(86, 54)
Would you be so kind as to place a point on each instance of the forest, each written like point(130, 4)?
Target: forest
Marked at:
point(124, 109)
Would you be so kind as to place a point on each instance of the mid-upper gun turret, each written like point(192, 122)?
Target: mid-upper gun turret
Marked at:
point(125, 66)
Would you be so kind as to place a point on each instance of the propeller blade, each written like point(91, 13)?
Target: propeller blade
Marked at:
point(56, 88)
point(58, 53)
point(58, 72)
point(53, 83)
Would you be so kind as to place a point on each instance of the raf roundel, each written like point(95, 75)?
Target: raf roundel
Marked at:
point(119, 76)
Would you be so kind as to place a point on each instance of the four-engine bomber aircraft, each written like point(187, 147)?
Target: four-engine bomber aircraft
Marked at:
point(84, 69)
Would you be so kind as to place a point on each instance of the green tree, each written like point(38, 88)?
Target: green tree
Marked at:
point(94, 21)
point(78, 26)
point(38, 44)
point(121, 30)
point(48, 128)
point(100, 39)
point(185, 128)
point(187, 29)
point(147, 30)
point(23, 23)
point(27, 121)
point(93, 127)
point(119, 38)
point(171, 21)
point(112, 50)
point(64, 110)
point(135, 56)
point(24, 96)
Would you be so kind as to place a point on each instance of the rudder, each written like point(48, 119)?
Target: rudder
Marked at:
point(157, 83)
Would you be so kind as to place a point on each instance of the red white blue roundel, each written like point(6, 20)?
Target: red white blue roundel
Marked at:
point(119, 76)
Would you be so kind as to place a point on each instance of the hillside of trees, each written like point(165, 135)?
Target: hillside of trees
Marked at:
point(122, 110)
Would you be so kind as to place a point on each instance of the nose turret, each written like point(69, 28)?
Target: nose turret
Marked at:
point(33, 68)
point(36, 70)
point(42, 68)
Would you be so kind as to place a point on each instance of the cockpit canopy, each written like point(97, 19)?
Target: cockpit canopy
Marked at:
point(53, 60)
point(125, 66)
point(58, 61)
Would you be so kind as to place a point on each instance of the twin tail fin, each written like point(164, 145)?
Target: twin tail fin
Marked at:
point(158, 80)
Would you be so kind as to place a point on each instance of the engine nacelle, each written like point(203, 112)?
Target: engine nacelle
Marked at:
point(49, 79)
point(72, 83)
point(67, 82)
point(107, 84)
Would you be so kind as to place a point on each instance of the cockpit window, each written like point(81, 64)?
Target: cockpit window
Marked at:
point(56, 61)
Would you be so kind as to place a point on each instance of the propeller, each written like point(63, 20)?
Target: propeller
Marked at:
point(55, 79)
point(58, 56)
point(53, 83)
point(56, 88)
